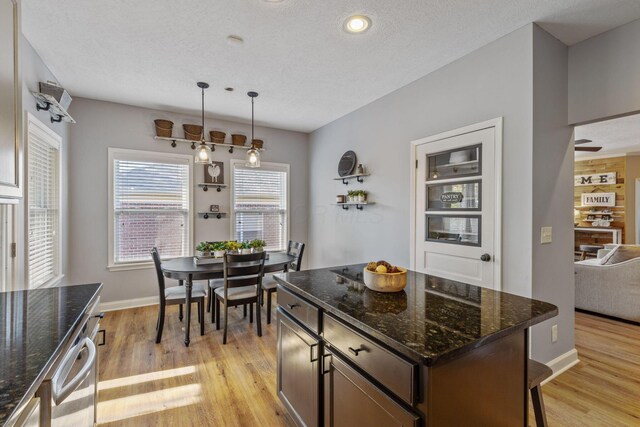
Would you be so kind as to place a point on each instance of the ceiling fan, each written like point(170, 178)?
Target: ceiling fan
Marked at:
point(586, 141)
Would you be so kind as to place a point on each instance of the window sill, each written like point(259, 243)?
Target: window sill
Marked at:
point(131, 266)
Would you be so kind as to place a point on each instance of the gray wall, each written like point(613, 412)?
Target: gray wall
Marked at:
point(34, 71)
point(604, 75)
point(553, 157)
point(496, 80)
point(104, 124)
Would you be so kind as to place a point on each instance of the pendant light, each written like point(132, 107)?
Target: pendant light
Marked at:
point(204, 154)
point(253, 154)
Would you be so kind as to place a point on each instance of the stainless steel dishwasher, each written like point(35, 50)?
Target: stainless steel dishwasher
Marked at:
point(68, 397)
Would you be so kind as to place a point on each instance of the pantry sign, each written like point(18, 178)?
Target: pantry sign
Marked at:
point(598, 199)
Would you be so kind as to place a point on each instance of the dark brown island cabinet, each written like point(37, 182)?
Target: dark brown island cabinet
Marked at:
point(439, 353)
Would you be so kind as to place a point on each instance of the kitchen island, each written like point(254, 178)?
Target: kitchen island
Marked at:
point(438, 353)
point(37, 328)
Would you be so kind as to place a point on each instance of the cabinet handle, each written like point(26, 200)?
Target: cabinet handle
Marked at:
point(311, 358)
point(325, 369)
point(292, 306)
point(355, 351)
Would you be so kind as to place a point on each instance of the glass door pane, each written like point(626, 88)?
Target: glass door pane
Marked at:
point(455, 163)
point(457, 229)
point(454, 196)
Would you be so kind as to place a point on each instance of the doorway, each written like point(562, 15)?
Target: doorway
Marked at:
point(456, 204)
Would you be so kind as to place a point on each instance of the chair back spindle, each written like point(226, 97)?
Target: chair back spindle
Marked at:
point(295, 249)
point(156, 260)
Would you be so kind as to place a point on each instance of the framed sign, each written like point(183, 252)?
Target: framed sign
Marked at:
point(214, 173)
point(598, 199)
point(596, 179)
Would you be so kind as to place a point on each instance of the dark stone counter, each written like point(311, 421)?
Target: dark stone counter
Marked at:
point(432, 319)
point(34, 328)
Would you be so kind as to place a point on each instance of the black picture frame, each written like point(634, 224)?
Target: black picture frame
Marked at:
point(213, 175)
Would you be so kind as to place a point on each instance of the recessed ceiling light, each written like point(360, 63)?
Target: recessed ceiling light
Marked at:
point(357, 24)
point(235, 40)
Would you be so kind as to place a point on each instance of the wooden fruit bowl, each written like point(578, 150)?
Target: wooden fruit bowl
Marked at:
point(385, 282)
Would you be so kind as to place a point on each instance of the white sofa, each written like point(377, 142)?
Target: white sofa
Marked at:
point(613, 290)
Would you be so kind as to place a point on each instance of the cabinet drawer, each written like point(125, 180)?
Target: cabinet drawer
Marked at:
point(392, 371)
point(299, 309)
point(352, 400)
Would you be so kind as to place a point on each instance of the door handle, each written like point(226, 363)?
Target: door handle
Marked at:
point(485, 257)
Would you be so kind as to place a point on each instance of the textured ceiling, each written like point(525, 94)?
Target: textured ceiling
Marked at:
point(616, 136)
point(308, 70)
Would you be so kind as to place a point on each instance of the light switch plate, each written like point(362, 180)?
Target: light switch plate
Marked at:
point(546, 235)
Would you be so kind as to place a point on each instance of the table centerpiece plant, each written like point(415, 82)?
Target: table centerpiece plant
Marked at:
point(203, 249)
point(257, 245)
point(245, 248)
point(218, 249)
point(233, 246)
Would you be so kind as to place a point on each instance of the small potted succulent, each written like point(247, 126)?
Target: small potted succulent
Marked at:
point(257, 245)
point(232, 246)
point(203, 249)
point(245, 248)
point(218, 249)
point(361, 196)
point(351, 196)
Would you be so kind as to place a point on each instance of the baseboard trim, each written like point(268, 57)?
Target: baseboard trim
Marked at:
point(130, 303)
point(562, 363)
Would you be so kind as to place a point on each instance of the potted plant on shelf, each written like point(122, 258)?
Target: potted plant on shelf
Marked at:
point(203, 249)
point(257, 245)
point(218, 249)
point(245, 248)
point(232, 246)
point(351, 196)
point(361, 196)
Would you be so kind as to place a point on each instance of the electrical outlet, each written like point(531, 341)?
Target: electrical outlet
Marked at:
point(554, 333)
point(546, 235)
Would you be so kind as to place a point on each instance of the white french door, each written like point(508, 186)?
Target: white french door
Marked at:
point(456, 198)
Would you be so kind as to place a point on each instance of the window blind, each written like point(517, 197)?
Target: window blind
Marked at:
point(151, 208)
point(260, 205)
point(43, 210)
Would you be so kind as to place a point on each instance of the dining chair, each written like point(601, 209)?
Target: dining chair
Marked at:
point(242, 285)
point(270, 285)
point(176, 295)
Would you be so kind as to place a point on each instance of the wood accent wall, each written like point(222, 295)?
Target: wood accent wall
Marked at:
point(595, 166)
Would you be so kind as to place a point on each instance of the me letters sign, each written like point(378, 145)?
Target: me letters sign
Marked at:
point(596, 179)
point(598, 199)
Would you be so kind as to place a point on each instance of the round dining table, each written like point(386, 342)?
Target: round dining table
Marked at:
point(185, 270)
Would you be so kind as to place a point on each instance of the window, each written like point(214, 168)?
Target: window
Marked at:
point(43, 205)
point(260, 203)
point(149, 205)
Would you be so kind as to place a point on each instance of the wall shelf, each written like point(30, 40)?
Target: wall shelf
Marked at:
point(194, 144)
point(217, 215)
point(205, 186)
point(345, 179)
point(359, 206)
point(48, 103)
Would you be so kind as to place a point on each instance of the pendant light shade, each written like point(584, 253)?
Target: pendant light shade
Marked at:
point(204, 154)
point(253, 154)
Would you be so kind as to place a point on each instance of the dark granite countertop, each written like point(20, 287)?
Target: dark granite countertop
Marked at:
point(432, 319)
point(34, 328)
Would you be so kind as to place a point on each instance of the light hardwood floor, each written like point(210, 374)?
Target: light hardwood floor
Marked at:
point(148, 384)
